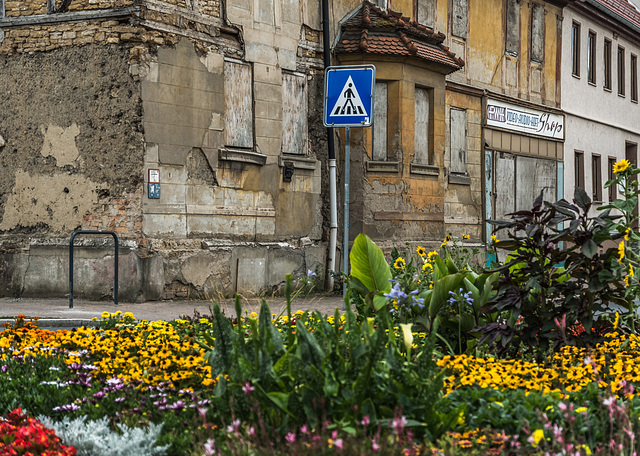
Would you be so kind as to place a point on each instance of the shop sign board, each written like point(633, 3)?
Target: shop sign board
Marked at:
point(524, 120)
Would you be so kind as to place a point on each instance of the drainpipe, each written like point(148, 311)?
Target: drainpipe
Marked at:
point(333, 234)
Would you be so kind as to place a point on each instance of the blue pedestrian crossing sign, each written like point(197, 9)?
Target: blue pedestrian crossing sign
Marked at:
point(348, 95)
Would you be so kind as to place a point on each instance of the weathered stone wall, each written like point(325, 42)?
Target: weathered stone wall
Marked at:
point(115, 89)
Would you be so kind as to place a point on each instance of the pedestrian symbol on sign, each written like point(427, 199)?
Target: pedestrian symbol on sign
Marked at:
point(349, 102)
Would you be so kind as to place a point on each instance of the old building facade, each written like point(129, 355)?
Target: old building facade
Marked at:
point(205, 101)
point(193, 129)
point(600, 93)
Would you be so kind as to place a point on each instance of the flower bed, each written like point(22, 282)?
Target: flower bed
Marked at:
point(139, 373)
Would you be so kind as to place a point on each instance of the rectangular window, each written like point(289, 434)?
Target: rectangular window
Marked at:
point(238, 104)
point(607, 64)
point(421, 127)
point(591, 57)
point(380, 121)
point(596, 178)
point(459, 18)
point(458, 141)
point(610, 176)
point(537, 33)
point(579, 169)
point(575, 49)
point(621, 81)
point(425, 13)
point(631, 154)
point(634, 77)
point(294, 114)
point(512, 34)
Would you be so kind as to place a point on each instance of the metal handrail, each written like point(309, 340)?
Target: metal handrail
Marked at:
point(115, 275)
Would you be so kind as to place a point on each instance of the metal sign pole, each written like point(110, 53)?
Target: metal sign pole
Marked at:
point(347, 160)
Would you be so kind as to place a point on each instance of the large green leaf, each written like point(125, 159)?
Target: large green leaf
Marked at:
point(368, 264)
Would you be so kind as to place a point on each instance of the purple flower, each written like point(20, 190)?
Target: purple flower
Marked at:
point(311, 274)
point(247, 388)
point(67, 408)
point(99, 395)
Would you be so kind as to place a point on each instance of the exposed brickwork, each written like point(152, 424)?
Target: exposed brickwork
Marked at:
point(46, 38)
point(122, 215)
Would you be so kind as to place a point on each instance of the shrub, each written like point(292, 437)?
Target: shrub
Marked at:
point(95, 438)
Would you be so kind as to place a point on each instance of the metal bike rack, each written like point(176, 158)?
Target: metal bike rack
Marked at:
point(115, 274)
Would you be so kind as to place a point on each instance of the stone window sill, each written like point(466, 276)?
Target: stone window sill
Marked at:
point(242, 156)
point(424, 170)
point(298, 161)
point(373, 166)
point(459, 178)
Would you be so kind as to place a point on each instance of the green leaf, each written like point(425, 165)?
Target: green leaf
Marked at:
point(379, 301)
point(581, 198)
point(441, 290)
point(369, 265)
point(589, 248)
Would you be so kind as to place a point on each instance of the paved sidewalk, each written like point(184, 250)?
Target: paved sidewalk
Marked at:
point(56, 312)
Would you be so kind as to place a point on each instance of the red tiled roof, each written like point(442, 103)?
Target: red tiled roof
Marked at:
point(624, 9)
point(374, 31)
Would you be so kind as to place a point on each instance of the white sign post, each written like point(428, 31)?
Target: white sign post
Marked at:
point(348, 102)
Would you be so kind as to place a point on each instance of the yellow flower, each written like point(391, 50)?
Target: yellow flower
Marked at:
point(129, 315)
point(626, 234)
point(616, 322)
point(105, 315)
point(465, 236)
point(586, 449)
point(537, 435)
point(426, 266)
point(626, 281)
point(621, 251)
point(430, 255)
point(631, 271)
point(620, 166)
point(494, 238)
point(421, 251)
point(399, 263)
point(581, 410)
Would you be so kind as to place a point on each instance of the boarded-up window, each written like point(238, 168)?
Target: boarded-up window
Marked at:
point(459, 18)
point(591, 57)
point(607, 64)
point(537, 33)
point(426, 12)
point(380, 3)
point(421, 127)
point(294, 114)
point(238, 105)
point(265, 11)
point(512, 34)
point(380, 121)
point(458, 140)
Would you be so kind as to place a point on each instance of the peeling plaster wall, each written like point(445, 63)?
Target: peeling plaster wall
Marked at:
point(100, 111)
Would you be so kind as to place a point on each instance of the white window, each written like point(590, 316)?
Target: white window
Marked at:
point(294, 114)
point(380, 122)
point(458, 126)
point(238, 104)
point(421, 127)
